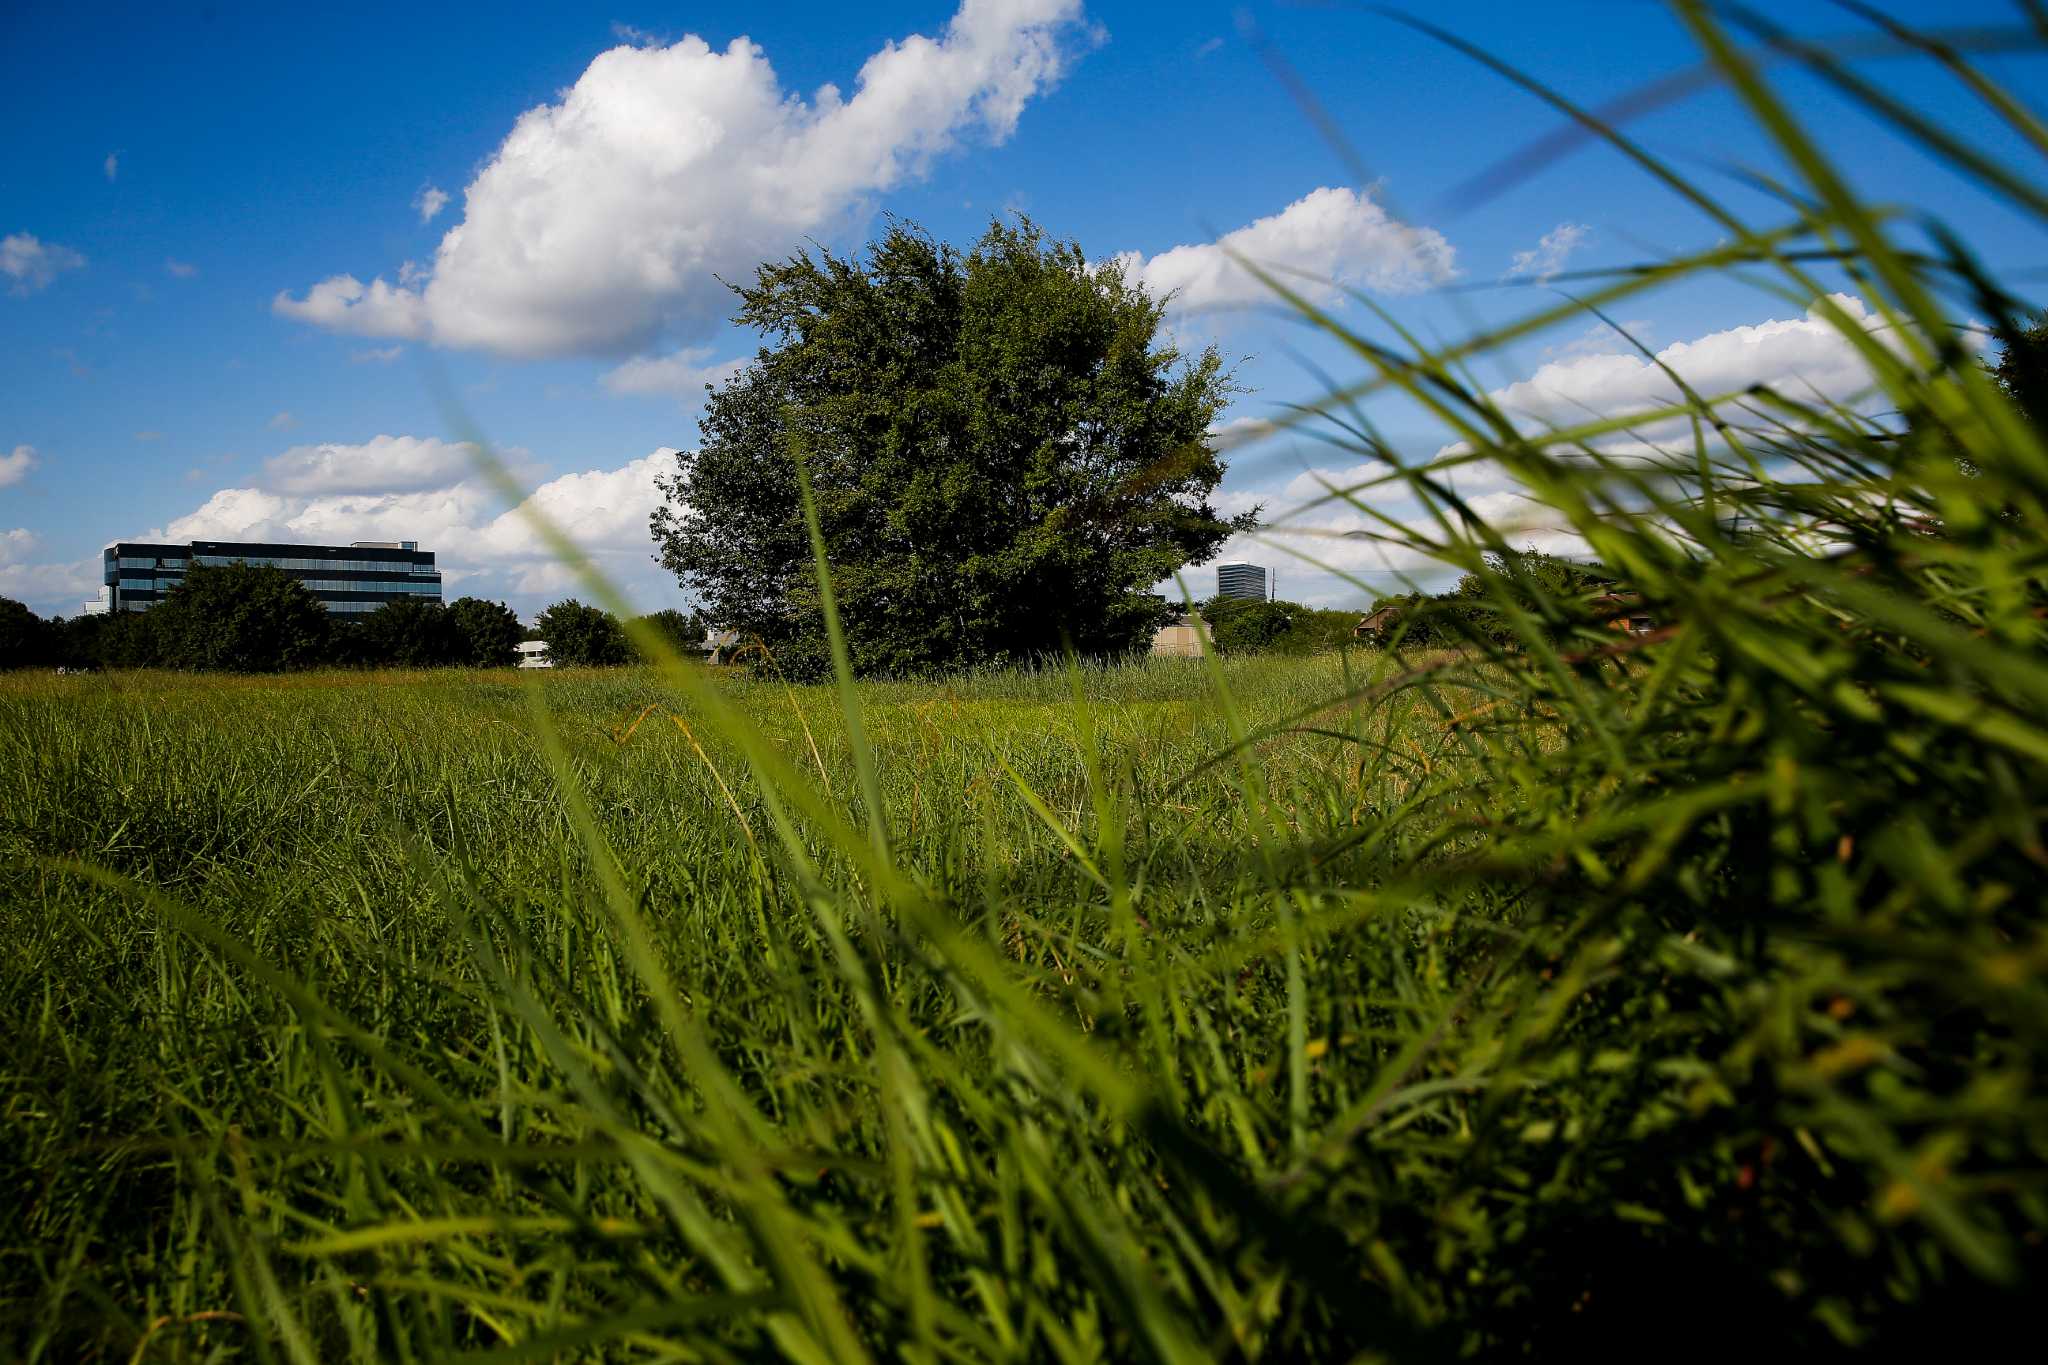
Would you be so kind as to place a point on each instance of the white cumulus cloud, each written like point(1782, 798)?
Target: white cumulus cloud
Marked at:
point(605, 218)
point(432, 199)
point(1805, 357)
point(30, 264)
point(1550, 252)
point(1802, 357)
point(14, 467)
point(424, 489)
point(682, 374)
point(1324, 242)
point(46, 588)
point(381, 464)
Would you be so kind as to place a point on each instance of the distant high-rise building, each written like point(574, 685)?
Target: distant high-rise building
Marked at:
point(360, 577)
point(1242, 580)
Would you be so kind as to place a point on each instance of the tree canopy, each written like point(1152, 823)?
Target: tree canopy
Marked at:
point(244, 618)
point(2022, 366)
point(577, 634)
point(26, 640)
point(407, 633)
point(241, 619)
point(487, 634)
point(1006, 455)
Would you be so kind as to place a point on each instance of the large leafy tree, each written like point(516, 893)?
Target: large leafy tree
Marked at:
point(26, 639)
point(408, 632)
point(241, 617)
point(2022, 366)
point(1007, 455)
point(683, 630)
point(580, 634)
point(487, 633)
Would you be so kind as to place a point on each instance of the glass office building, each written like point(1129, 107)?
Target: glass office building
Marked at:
point(345, 578)
point(1241, 580)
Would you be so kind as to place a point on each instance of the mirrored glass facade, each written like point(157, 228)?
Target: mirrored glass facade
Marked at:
point(346, 578)
point(1242, 580)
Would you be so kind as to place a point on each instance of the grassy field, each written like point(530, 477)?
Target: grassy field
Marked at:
point(406, 1052)
point(507, 1016)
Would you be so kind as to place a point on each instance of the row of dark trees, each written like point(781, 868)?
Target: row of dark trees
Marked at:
point(1566, 596)
point(249, 619)
point(1240, 625)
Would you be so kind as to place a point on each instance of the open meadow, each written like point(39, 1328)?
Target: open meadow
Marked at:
point(516, 1016)
point(400, 1035)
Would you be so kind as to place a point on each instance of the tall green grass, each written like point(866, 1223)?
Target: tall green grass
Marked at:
point(1564, 992)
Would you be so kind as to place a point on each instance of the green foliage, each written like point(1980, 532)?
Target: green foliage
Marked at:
point(241, 618)
point(487, 633)
point(26, 639)
point(1248, 626)
point(2022, 366)
point(408, 632)
point(579, 635)
point(1006, 457)
point(683, 631)
point(112, 640)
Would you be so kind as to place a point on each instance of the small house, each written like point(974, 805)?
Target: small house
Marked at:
point(1378, 625)
point(1177, 640)
point(1624, 611)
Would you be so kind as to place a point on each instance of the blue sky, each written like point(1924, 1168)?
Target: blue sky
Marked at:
point(184, 196)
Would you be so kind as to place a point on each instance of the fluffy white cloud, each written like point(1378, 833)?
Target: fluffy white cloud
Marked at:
point(1321, 244)
point(432, 199)
point(1801, 357)
point(1225, 437)
point(1548, 256)
point(681, 374)
point(30, 264)
point(423, 489)
point(604, 218)
point(45, 587)
point(344, 303)
point(392, 464)
point(15, 467)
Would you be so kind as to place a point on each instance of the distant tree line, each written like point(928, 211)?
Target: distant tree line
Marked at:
point(1564, 596)
point(258, 619)
point(1240, 625)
